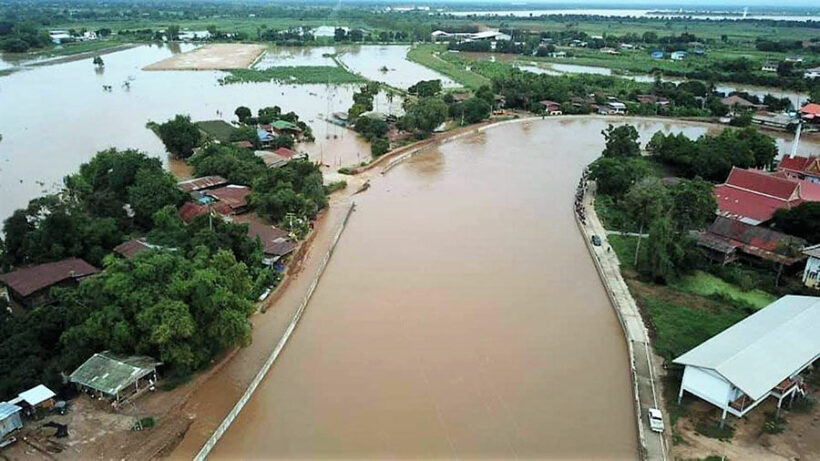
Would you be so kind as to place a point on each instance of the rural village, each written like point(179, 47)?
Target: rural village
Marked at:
point(139, 285)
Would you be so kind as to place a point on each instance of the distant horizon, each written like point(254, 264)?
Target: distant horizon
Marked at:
point(626, 4)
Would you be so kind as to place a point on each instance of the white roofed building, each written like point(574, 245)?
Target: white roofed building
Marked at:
point(758, 357)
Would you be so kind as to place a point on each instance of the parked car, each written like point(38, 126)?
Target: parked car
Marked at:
point(596, 240)
point(655, 420)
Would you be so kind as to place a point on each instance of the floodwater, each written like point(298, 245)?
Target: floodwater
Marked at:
point(56, 117)
point(389, 64)
point(460, 316)
point(297, 56)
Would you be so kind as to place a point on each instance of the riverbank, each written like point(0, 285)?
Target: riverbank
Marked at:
point(647, 392)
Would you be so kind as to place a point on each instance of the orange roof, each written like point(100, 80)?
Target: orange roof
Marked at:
point(810, 109)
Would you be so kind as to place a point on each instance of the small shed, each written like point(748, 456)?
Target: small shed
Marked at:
point(36, 398)
point(10, 419)
point(108, 375)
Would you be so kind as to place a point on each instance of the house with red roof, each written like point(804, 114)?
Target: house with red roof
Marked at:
point(801, 168)
point(753, 196)
point(727, 238)
point(190, 210)
point(234, 196)
point(810, 113)
point(31, 286)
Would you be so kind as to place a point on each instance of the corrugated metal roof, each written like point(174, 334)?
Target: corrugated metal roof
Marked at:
point(110, 373)
point(204, 182)
point(31, 279)
point(37, 395)
point(765, 348)
point(8, 409)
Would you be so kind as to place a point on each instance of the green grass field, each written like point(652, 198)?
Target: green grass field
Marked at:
point(294, 74)
point(704, 284)
point(430, 56)
point(218, 129)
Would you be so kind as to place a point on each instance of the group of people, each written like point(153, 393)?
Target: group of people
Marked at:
point(579, 197)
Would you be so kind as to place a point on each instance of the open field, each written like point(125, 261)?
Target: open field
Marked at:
point(222, 56)
point(293, 74)
point(218, 129)
point(428, 56)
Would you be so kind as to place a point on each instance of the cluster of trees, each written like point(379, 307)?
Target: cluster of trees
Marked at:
point(295, 188)
point(802, 221)
point(668, 211)
point(19, 37)
point(374, 130)
point(180, 136)
point(363, 100)
point(182, 304)
point(712, 157)
point(266, 116)
point(114, 194)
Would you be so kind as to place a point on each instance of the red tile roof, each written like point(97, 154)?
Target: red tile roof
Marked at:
point(32, 279)
point(234, 196)
point(795, 163)
point(762, 183)
point(747, 205)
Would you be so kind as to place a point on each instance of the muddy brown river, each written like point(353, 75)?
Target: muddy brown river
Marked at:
point(461, 316)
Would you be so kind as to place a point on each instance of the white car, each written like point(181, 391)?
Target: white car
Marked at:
point(655, 420)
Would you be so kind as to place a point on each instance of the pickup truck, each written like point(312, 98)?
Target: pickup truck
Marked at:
point(655, 420)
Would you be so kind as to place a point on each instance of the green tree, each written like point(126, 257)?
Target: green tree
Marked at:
point(802, 221)
point(426, 88)
point(243, 114)
point(693, 204)
point(150, 193)
point(621, 141)
point(172, 32)
point(423, 115)
point(180, 136)
point(645, 202)
point(98, 61)
point(379, 146)
point(472, 110)
point(664, 251)
point(614, 176)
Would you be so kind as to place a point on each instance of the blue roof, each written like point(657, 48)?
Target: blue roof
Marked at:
point(657, 53)
point(264, 135)
point(7, 409)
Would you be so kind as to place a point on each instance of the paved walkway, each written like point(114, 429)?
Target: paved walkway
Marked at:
point(647, 390)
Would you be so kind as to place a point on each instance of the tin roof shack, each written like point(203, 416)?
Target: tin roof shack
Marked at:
point(730, 236)
point(10, 421)
point(203, 183)
point(30, 286)
point(236, 197)
point(133, 247)
point(118, 378)
point(276, 243)
point(35, 399)
point(758, 357)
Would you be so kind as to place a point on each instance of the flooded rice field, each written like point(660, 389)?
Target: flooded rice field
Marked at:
point(388, 64)
point(460, 316)
point(279, 56)
point(56, 117)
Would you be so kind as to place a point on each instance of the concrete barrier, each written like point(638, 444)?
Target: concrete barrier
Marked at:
point(229, 419)
point(653, 451)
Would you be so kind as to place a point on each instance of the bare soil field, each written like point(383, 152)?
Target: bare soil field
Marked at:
point(217, 56)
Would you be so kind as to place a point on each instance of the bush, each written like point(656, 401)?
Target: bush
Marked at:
point(713, 430)
point(774, 424)
point(345, 170)
point(379, 147)
point(803, 405)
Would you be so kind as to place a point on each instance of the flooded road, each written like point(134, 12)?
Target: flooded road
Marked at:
point(460, 316)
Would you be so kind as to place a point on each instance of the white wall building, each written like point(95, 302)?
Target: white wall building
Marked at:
point(812, 73)
point(811, 274)
point(758, 357)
